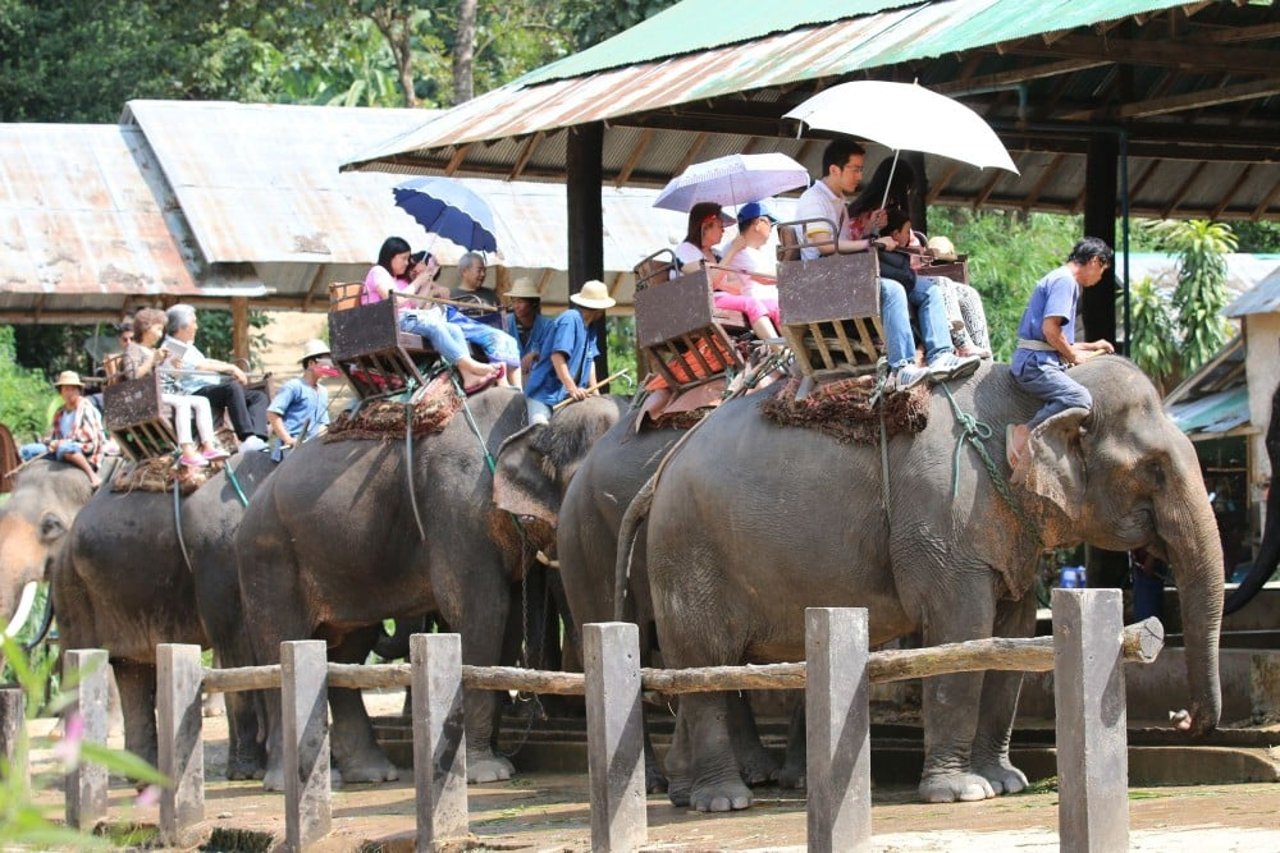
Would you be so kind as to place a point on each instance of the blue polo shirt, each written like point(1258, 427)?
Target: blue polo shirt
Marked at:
point(570, 336)
point(1055, 295)
point(297, 403)
point(541, 325)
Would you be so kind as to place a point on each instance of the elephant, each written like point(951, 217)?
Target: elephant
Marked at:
point(330, 547)
point(123, 584)
point(1264, 566)
point(751, 522)
point(583, 500)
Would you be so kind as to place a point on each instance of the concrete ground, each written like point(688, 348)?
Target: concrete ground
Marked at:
point(549, 812)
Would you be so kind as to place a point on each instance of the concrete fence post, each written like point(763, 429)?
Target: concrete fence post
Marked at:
point(86, 785)
point(838, 728)
point(615, 736)
point(1092, 733)
point(304, 699)
point(439, 739)
point(13, 722)
point(180, 723)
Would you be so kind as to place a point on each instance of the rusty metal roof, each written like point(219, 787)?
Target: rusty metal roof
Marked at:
point(85, 226)
point(1192, 86)
point(260, 184)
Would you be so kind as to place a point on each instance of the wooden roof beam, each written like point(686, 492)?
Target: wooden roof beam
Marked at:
point(455, 162)
point(1265, 205)
point(1146, 176)
point(1254, 90)
point(1235, 35)
point(526, 154)
point(699, 141)
point(959, 88)
point(1187, 55)
point(986, 191)
point(1052, 169)
point(633, 159)
point(936, 187)
point(1230, 194)
point(1182, 191)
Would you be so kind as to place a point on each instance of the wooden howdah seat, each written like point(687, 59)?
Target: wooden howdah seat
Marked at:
point(367, 345)
point(829, 306)
point(677, 327)
point(137, 419)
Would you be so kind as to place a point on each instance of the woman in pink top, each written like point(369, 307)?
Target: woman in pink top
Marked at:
point(759, 301)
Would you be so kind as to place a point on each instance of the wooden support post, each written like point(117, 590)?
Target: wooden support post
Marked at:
point(615, 736)
point(179, 674)
point(838, 726)
point(240, 328)
point(305, 704)
point(585, 196)
point(439, 739)
point(1098, 304)
point(86, 785)
point(13, 721)
point(1088, 688)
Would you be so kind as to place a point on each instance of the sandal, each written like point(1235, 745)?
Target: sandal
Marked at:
point(193, 461)
point(492, 379)
point(215, 454)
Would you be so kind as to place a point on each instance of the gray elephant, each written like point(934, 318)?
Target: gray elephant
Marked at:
point(330, 548)
point(752, 522)
point(583, 500)
point(1264, 566)
point(123, 584)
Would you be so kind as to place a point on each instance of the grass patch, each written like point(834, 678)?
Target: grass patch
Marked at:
point(229, 840)
point(1048, 785)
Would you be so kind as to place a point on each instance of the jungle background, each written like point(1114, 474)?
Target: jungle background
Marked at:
point(81, 60)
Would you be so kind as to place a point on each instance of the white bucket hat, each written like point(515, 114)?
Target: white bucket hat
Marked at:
point(312, 348)
point(594, 294)
point(524, 288)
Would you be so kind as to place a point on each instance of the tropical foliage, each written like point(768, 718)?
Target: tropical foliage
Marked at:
point(1201, 293)
point(23, 392)
point(1152, 332)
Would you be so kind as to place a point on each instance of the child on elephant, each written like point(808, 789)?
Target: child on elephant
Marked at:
point(1047, 341)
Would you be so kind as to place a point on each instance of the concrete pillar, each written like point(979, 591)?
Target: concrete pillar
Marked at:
point(838, 724)
point(305, 704)
point(1092, 738)
point(13, 721)
point(439, 738)
point(180, 723)
point(615, 736)
point(86, 785)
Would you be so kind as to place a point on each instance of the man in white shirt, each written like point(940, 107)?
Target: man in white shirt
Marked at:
point(842, 164)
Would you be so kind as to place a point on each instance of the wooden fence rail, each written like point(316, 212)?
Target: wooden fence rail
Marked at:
point(1088, 644)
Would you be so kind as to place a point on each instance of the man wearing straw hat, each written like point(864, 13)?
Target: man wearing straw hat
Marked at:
point(300, 409)
point(525, 323)
point(76, 433)
point(565, 364)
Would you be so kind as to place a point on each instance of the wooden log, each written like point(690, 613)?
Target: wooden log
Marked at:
point(180, 724)
point(86, 785)
point(13, 721)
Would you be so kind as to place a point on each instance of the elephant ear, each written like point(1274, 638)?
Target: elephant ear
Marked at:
point(523, 483)
point(1054, 465)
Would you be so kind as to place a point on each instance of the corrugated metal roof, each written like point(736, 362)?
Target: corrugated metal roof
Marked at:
point(1214, 413)
point(260, 184)
point(1264, 298)
point(837, 49)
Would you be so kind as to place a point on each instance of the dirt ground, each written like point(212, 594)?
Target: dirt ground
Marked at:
point(549, 812)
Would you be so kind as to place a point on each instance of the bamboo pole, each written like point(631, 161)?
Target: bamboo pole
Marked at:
point(558, 406)
point(1142, 644)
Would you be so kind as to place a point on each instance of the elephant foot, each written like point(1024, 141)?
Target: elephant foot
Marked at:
point(244, 767)
point(374, 768)
point(487, 767)
point(720, 796)
point(758, 767)
point(790, 776)
point(1003, 776)
point(654, 781)
point(953, 787)
point(679, 790)
point(273, 779)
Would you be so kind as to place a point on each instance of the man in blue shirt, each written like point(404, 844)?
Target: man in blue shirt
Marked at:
point(300, 409)
point(1047, 340)
point(565, 363)
point(525, 323)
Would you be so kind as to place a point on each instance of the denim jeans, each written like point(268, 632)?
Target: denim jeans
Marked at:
point(900, 346)
point(931, 309)
point(1043, 375)
point(447, 338)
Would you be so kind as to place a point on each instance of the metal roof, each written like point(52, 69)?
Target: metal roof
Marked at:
point(1213, 414)
point(85, 227)
point(1192, 85)
point(1264, 298)
point(260, 184)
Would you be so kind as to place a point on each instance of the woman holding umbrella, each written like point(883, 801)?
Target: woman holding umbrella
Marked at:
point(390, 275)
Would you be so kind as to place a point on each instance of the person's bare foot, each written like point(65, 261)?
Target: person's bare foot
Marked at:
point(1015, 445)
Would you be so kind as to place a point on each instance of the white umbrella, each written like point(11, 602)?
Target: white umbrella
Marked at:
point(906, 116)
point(732, 179)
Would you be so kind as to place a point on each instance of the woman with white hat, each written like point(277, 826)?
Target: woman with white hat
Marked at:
point(565, 365)
point(75, 435)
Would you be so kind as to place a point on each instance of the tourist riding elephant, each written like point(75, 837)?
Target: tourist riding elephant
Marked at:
point(123, 584)
point(331, 547)
point(751, 522)
point(583, 501)
point(1269, 553)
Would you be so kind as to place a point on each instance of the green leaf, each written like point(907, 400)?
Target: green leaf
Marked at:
point(124, 763)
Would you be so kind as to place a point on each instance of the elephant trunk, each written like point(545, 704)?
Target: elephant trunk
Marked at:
point(1189, 534)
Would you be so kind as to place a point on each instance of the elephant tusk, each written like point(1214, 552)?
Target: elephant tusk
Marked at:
point(23, 613)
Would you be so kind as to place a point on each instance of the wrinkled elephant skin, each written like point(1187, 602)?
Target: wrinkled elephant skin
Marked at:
point(34, 522)
point(752, 522)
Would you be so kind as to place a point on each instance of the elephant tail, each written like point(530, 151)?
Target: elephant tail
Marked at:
point(637, 513)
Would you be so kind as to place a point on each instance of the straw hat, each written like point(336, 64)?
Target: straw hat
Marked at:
point(942, 248)
point(68, 377)
point(313, 348)
point(523, 288)
point(594, 294)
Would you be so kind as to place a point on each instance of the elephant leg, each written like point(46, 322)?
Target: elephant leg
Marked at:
point(355, 749)
point(246, 753)
point(951, 703)
point(137, 683)
point(678, 764)
point(754, 761)
point(654, 781)
point(792, 772)
point(717, 782)
point(1000, 702)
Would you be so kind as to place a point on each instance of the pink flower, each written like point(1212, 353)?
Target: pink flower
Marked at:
point(149, 796)
point(67, 750)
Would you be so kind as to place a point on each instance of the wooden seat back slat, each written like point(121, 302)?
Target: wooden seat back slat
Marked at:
point(135, 416)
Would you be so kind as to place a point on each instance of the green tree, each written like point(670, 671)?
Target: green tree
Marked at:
point(24, 393)
point(1201, 294)
point(1153, 333)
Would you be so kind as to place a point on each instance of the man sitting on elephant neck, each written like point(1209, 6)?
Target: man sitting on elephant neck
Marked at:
point(525, 323)
point(75, 436)
point(1046, 340)
point(566, 365)
point(300, 409)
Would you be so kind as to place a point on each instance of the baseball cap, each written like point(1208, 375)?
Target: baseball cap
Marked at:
point(754, 210)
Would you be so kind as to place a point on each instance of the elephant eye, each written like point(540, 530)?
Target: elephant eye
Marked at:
point(51, 527)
